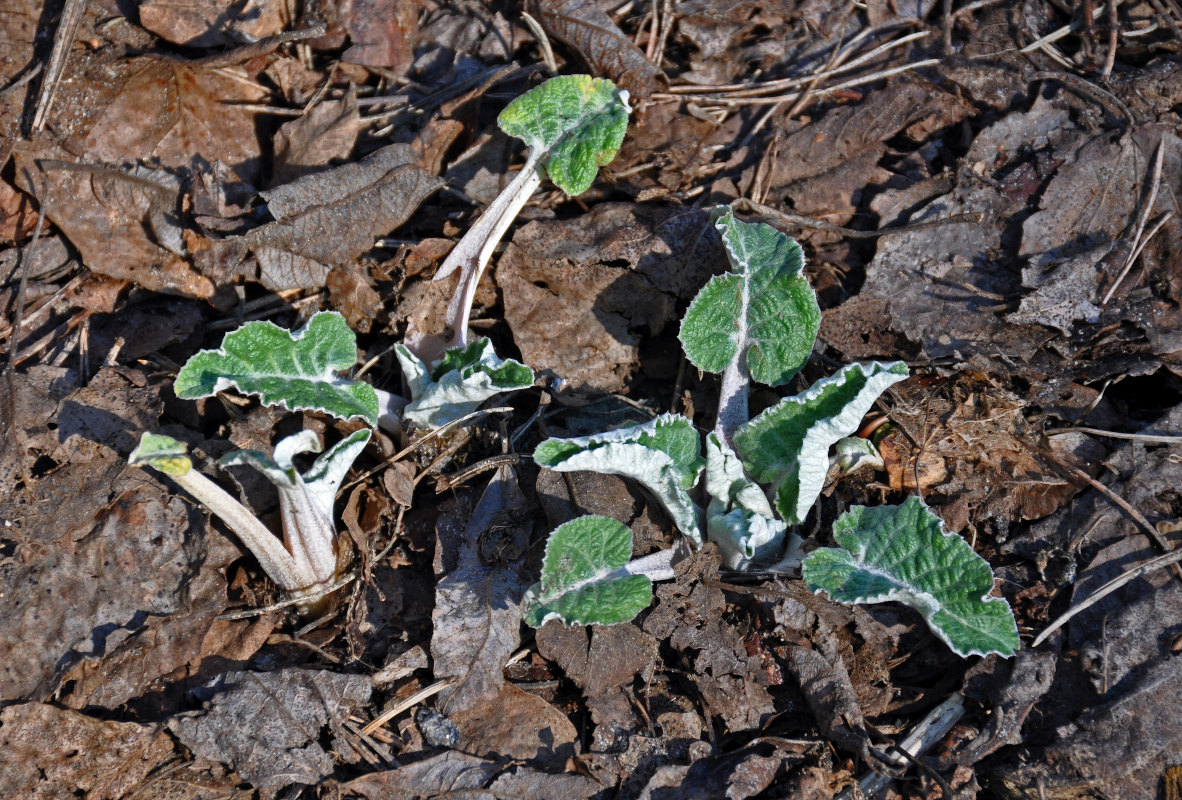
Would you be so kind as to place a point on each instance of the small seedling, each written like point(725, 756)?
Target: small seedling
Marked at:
point(573, 125)
point(307, 560)
point(459, 383)
point(759, 322)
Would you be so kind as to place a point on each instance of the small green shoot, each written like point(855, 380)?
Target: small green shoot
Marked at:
point(459, 383)
point(309, 561)
point(573, 124)
point(297, 371)
point(589, 577)
point(663, 455)
point(739, 518)
point(903, 553)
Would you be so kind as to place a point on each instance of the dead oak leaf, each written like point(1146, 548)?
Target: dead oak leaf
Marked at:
point(169, 112)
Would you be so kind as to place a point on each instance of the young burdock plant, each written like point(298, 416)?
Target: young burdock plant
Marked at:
point(572, 125)
point(307, 561)
point(758, 322)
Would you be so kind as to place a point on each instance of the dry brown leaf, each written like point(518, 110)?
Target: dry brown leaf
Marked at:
point(266, 725)
point(211, 23)
point(515, 724)
point(597, 38)
point(333, 217)
point(48, 753)
point(477, 617)
point(578, 293)
point(107, 215)
point(325, 133)
point(382, 33)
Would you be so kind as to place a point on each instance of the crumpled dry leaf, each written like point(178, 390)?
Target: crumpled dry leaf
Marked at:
point(689, 614)
point(48, 753)
point(107, 215)
point(326, 132)
point(604, 668)
point(449, 774)
point(334, 216)
point(737, 775)
point(597, 38)
point(477, 617)
point(266, 725)
point(614, 270)
point(211, 23)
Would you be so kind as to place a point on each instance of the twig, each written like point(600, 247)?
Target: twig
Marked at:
point(292, 601)
point(543, 42)
point(1135, 515)
point(408, 703)
point(1113, 29)
point(248, 51)
point(1155, 563)
point(463, 476)
point(63, 37)
point(1154, 183)
point(1069, 79)
point(806, 222)
point(1140, 437)
point(934, 727)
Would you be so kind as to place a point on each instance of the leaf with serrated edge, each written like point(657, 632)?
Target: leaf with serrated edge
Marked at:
point(787, 446)
point(463, 379)
point(663, 454)
point(573, 123)
point(739, 518)
point(764, 308)
point(584, 576)
point(297, 371)
point(903, 553)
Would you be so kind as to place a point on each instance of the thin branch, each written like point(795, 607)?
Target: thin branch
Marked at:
point(1153, 564)
point(1154, 183)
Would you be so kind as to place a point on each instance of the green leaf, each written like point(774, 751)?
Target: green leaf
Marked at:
point(764, 308)
point(903, 553)
point(585, 580)
point(463, 379)
point(297, 371)
point(163, 453)
point(739, 518)
point(664, 454)
point(787, 446)
point(573, 124)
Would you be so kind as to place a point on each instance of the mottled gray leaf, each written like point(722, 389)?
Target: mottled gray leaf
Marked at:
point(267, 725)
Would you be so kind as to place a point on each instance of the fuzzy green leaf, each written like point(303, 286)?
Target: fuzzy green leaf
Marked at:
point(787, 446)
point(463, 379)
point(903, 553)
point(584, 576)
point(739, 518)
point(764, 308)
point(664, 454)
point(574, 124)
point(297, 371)
point(163, 453)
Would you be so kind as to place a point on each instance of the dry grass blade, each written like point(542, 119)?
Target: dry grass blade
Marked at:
point(407, 704)
point(1155, 563)
point(1155, 182)
point(63, 37)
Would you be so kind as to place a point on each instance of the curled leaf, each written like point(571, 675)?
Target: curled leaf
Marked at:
point(463, 379)
point(297, 371)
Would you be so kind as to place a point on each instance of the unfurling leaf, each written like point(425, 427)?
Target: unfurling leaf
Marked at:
point(903, 553)
point(463, 379)
point(573, 123)
point(585, 578)
point(663, 454)
point(297, 371)
point(739, 518)
point(787, 446)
